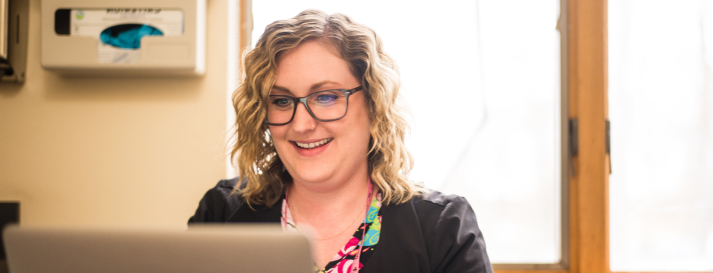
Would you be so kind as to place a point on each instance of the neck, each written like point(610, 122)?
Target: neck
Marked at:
point(319, 201)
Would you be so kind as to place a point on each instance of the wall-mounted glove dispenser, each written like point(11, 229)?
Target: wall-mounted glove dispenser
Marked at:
point(123, 37)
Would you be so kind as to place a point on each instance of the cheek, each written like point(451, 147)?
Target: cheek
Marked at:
point(277, 134)
point(362, 132)
point(365, 121)
point(367, 136)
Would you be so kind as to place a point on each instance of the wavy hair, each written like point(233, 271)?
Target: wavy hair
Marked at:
point(259, 164)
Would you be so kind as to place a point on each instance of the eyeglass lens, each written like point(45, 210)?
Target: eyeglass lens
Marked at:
point(324, 105)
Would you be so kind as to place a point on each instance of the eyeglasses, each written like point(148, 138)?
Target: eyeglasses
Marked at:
point(327, 105)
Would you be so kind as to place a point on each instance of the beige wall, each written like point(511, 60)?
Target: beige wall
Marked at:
point(114, 150)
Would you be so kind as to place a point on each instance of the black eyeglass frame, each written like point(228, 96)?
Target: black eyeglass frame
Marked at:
point(303, 100)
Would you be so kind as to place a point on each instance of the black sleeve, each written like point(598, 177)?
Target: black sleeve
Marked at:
point(457, 243)
point(217, 204)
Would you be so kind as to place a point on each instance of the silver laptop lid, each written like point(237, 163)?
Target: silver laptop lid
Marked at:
point(214, 249)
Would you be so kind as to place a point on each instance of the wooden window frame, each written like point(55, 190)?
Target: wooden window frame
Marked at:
point(586, 206)
point(589, 187)
point(588, 183)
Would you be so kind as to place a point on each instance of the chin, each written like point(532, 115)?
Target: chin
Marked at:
point(312, 177)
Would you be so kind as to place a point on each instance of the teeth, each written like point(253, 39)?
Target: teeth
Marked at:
point(313, 144)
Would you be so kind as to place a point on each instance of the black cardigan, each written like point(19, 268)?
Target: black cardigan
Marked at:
point(430, 233)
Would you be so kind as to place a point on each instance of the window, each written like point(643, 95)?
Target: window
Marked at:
point(502, 146)
point(662, 133)
point(584, 175)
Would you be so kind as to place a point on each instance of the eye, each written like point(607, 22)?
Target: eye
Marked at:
point(281, 102)
point(326, 98)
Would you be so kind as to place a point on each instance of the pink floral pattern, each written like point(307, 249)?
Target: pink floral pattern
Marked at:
point(343, 260)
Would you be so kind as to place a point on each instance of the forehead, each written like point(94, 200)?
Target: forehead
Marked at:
point(313, 62)
point(323, 43)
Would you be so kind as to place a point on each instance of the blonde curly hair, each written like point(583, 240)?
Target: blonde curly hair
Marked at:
point(258, 163)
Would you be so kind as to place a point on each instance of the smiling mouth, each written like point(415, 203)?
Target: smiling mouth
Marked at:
point(313, 145)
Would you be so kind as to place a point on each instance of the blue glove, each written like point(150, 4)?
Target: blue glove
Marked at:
point(128, 36)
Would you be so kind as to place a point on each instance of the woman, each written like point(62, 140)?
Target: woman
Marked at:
point(320, 146)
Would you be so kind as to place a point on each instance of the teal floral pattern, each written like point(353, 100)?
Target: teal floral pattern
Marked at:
point(342, 261)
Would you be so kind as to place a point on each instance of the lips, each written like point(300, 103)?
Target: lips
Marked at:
point(313, 144)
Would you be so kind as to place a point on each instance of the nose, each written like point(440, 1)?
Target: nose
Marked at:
point(303, 122)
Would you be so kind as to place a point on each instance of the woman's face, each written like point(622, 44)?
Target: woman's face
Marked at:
point(306, 69)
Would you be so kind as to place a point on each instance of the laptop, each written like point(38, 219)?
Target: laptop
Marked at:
point(213, 249)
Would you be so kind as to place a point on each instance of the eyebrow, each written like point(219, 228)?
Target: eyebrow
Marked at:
point(312, 89)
